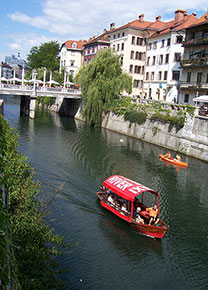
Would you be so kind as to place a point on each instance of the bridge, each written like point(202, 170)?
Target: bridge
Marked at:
point(29, 94)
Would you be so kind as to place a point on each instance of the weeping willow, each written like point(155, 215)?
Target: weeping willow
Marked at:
point(102, 80)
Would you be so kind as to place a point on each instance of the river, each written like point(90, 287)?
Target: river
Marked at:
point(108, 254)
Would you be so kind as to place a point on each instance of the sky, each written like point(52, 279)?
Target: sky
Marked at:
point(28, 23)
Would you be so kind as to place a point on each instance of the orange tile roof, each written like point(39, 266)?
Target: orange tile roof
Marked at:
point(175, 26)
point(100, 38)
point(79, 43)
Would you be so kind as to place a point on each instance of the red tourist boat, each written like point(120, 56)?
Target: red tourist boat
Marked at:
point(131, 201)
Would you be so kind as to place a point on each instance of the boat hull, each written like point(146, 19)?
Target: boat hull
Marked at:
point(153, 231)
point(173, 161)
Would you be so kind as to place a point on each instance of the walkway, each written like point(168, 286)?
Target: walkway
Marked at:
point(34, 92)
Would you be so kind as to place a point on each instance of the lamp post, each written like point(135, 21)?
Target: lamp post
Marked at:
point(34, 74)
point(44, 77)
point(23, 75)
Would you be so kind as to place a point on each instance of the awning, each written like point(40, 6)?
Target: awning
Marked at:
point(126, 188)
point(201, 99)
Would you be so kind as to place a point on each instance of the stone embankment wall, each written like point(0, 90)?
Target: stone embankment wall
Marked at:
point(191, 140)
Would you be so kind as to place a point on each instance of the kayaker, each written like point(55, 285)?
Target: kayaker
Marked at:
point(168, 155)
point(178, 157)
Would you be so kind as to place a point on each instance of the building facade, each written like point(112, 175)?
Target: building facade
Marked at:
point(94, 44)
point(71, 56)
point(164, 52)
point(194, 81)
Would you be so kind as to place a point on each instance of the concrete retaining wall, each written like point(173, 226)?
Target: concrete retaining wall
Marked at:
point(191, 140)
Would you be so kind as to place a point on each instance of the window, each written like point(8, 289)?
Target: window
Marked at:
point(123, 34)
point(64, 62)
point(122, 46)
point(114, 36)
point(132, 54)
point(167, 58)
point(155, 45)
point(118, 47)
point(168, 42)
point(149, 46)
point(150, 92)
point(207, 78)
point(72, 62)
point(161, 59)
point(177, 57)
point(165, 75)
point(188, 77)
point(152, 76)
point(147, 76)
point(72, 72)
point(160, 76)
point(179, 39)
point(88, 51)
point(186, 98)
point(163, 43)
point(153, 60)
point(74, 45)
point(148, 60)
point(199, 77)
point(121, 60)
point(136, 83)
point(114, 47)
point(118, 35)
point(133, 40)
point(176, 75)
point(131, 68)
point(192, 35)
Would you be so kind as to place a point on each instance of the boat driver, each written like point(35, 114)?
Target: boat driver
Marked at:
point(153, 213)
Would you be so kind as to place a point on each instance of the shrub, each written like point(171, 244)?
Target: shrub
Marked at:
point(135, 117)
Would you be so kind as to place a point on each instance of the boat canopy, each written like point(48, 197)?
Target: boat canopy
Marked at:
point(126, 188)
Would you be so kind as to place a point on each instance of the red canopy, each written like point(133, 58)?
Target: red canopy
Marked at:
point(126, 188)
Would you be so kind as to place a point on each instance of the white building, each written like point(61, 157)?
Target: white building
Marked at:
point(164, 53)
point(129, 41)
point(71, 56)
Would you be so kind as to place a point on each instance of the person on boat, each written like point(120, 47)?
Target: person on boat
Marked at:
point(124, 208)
point(168, 155)
point(178, 157)
point(153, 213)
point(138, 217)
point(111, 199)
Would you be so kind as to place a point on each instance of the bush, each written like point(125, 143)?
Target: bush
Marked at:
point(135, 117)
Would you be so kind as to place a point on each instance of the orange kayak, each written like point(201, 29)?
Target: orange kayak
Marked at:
point(173, 161)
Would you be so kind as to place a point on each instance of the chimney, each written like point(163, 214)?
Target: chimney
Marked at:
point(104, 30)
point(206, 16)
point(194, 13)
point(185, 16)
point(112, 25)
point(158, 18)
point(179, 15)
point(141, 18)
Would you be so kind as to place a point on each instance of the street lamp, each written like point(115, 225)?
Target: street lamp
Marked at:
point(34, 75)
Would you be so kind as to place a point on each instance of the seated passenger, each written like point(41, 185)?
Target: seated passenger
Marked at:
point(138, 217)
point(124, 208)
point(153, 213)
point(110, 198)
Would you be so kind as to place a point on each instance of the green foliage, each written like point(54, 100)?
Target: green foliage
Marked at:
point(101, 81)
point(46, 55)
point(172, 120)
point(30, 234)
point(190, 110)
point(135, 117)
point(48, 101)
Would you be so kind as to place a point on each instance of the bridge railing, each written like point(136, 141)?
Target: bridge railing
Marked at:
point(39, 88)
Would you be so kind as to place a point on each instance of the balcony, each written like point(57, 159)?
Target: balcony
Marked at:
point(193, 85)
point(198, 62)
point(194, 42)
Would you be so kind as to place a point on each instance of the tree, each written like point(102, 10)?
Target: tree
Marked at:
point(102, 81)
point(46, 55)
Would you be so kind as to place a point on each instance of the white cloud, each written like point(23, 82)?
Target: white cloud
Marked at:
point(85, 18)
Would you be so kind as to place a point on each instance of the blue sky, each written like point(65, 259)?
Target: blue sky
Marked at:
point(28, 23)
